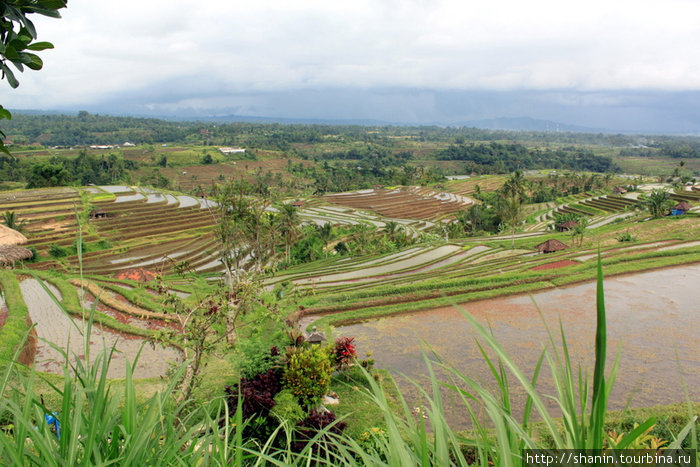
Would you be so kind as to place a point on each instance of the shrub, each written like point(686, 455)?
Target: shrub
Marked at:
point(626, 237)
point(308, 373)
point(57, 251)
point(104, 244)
point(344, 352)
point(256, 358)
point(317, 421)
point(258, 394)
point(79, 244)
point(35, 255)
point(287, 408)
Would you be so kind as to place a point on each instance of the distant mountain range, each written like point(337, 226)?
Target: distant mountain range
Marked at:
point(621, 111)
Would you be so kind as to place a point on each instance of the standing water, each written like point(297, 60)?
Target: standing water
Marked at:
point(652, 318)
point(53, 326)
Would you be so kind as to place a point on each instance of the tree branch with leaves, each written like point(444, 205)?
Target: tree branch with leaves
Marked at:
point(18, 40)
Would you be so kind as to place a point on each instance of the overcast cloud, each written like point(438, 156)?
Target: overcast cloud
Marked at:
point(212, 54)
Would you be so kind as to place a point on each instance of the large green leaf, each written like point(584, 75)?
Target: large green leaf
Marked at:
point(40, 46)
point(4, 113)
point(31, 60)
point(7, 73)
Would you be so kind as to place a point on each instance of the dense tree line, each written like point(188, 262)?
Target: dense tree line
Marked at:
point(499, 157)
point(85, 128)
point(679, 148)
point(336, 177)
point(85, 169)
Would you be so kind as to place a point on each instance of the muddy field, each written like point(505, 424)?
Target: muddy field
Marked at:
point(661, 303)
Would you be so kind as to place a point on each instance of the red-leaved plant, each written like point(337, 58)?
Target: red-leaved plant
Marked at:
point(344, 352)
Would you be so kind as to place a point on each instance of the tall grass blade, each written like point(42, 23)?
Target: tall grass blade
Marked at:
point(595, 436)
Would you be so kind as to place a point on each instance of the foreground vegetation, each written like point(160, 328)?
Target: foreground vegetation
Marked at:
point(99, 425)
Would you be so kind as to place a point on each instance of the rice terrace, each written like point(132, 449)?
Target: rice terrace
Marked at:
point(211, 274)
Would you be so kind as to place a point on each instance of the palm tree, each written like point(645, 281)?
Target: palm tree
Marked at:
point(510, 210)
point(579, 230)
point(10, 219)
point(361, 238)
point(325, 233)
point(515, 186)
point(391, 228)
point(658, 202)
point(288, 222)
point(510, 205)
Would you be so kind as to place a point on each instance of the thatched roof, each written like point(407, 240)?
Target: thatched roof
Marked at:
point(137, 274)
point(619, 190)
point(551, 245)
point(683, 206)
point(10, 236)
point(568, 225)
point(10, 254)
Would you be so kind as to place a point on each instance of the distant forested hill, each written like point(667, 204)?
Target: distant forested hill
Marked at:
point(452, 143)
point(509, 157)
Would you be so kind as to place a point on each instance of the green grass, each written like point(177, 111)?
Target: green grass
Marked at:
point(16, 327)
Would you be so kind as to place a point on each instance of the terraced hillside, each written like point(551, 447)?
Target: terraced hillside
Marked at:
point(346, 290)
point(124, 228)
point(405, 202)
point(120, 227)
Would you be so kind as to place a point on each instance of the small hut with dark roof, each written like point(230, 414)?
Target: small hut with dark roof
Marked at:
point(316, 337)
point(568, 225)
point(550, 246)
point(618, 190)
point(681, 208)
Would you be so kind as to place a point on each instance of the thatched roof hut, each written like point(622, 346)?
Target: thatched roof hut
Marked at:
point(682, 206)
point(10, 236)
point(618, 190)
point(551, 246)
point(568, 225)
point(10, 254)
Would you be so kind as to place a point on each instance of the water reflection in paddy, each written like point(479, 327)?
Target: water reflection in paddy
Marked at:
point(53, 326)
point(652, 315)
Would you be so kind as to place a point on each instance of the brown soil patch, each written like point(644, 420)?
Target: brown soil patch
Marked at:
point(556, 265)
point(28, 353)
point(403, 204)
point(137, 274)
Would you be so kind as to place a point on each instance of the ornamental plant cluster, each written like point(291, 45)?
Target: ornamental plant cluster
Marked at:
point(288, 387)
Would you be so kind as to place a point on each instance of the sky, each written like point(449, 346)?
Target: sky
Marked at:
point(396, 60)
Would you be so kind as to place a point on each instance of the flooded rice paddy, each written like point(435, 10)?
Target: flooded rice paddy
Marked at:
point(54, 326)
point(652, 319)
